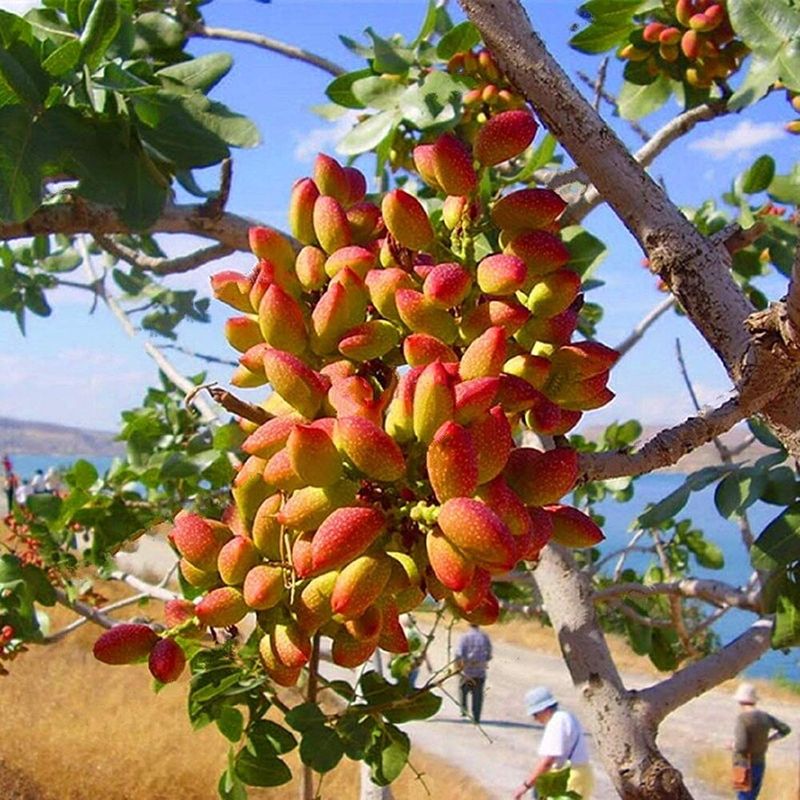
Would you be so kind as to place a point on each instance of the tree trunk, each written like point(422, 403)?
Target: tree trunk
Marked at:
point(623, 732)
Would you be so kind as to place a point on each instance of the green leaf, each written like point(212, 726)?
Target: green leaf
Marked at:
point(176, 466)
point(340, 90)
point(63, 59)
point(156, 32)
point(202, 73)
point(763, 434)
point(727, 497)
point(388, 754)
point(39, 584)
point(82, 474)
point(101, 27)
point(708, 554)
point(61, 262)
point(428, 24)
point(15, 79)
point(759, 175)
point(321, 748)
point(638, 101)
point(367, 135)
point(586, 251)
point(765, 25)
point(230, 723)
point(420, 706)
point(786, 632)
point(387, 58)
point(786, 188)
point(662, 653)
point(664, 509)
point(46, 506)
point(781, 488)
point(378, 92)
point(433, 103)
point(305, 716)
point(256, 771)
point(760, 77)
point(779, 543)
point(464, 36)
point(604, 33)
point(266, 733)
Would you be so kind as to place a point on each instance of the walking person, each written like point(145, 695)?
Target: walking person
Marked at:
point(473, 654)
point(754, 730)
point(563, 745)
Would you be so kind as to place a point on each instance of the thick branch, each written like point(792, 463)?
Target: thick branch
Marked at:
point(717, 593)
point(266, 43)
point(700, 676)
point(75, 217)
point(90, 613)
point(665, 448)
point(163, 266)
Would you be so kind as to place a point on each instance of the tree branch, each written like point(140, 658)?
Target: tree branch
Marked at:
point(78, 216)
point(700, 676)
point(665, 448)
point(653, 147)
point(641, 328)
point(717, 593)
point(163, 266)
point(202, 31)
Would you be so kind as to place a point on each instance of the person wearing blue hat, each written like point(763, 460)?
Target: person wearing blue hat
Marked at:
point(562, 744)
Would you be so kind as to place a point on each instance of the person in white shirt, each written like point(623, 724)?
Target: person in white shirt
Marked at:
point(23, 492)
point(37, 483)
point(52, 480)
point(562, 744)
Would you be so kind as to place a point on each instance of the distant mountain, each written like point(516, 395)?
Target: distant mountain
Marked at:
point(45, 438)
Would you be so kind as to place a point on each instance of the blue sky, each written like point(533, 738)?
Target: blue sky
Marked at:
point(78, 369)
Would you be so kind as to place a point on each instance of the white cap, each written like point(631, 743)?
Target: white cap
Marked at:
point(539, 699)
point(746, 694)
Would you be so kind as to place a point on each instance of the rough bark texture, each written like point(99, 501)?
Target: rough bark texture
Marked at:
point(622, 731)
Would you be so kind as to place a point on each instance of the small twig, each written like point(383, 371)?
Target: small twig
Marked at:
point(163, 266)
point(600, 83)
point(156, 591)
point(104, 612)
point(214, 206)
point(266, 43)
point(201, 356)
point(716, 593)
point(236, 406)
point(644, 324)
point(612, 101)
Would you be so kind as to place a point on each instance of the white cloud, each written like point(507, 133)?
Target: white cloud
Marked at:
point(326, 137)
point(740, 140)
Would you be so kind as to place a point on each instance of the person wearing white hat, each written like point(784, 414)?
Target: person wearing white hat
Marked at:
point(752, 735)
point(562, 744)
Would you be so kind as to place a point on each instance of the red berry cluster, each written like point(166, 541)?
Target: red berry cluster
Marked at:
point(691, 39)
point(401, 365)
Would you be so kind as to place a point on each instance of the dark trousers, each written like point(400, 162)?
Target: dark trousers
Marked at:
point(757, 772)
point(474, 687)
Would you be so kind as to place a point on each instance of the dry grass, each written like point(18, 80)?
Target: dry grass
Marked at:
point(780, 782)
point(74, 729)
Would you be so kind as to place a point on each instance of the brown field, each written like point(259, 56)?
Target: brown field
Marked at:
point(75, 729)
point(780, 781)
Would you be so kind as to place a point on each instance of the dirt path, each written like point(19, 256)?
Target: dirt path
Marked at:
point(501, 752)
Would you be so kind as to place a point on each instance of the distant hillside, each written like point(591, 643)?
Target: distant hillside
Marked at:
point(45, 438)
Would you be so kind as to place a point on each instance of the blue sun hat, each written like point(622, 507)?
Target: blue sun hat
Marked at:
point(539, 699)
